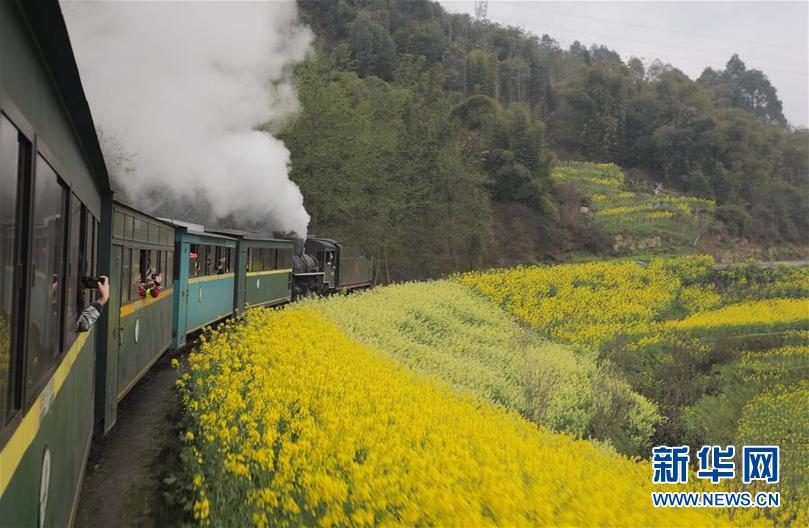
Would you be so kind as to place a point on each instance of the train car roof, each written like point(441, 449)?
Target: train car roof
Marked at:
point(188, 226)
point(48, 29)
point(117, 200)
point(328, 242)
point(196, 229)
point(246, 235)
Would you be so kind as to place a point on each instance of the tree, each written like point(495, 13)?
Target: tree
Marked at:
point(372, 47)
point(747, 89)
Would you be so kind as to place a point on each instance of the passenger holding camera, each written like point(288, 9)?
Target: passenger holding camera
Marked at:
point(92, 312)
point(150, 288)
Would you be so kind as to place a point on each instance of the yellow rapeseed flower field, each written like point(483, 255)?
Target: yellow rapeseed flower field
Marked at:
point(590, 304)
point(751, 316)
point(779, 417)
point(292, 423)
point(444, 329)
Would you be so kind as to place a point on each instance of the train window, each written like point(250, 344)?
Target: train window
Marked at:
point(72, 287)
point(125, 275)
point(134, 270)
point(96, 230)
point(221, 262)
point(193, 256)
point(169, 269)
point(44, 325)
point(89, 261)
point(205, 263)
point(258, 260)
point(229, 259)
point(204, 259)
point(197, 260)
point(13, 153)
point(146, 263)
point(118, 221)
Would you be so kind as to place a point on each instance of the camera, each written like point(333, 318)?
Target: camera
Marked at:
point(90, 282)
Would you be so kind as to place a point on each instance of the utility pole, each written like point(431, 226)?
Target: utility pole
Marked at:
point(481, 6)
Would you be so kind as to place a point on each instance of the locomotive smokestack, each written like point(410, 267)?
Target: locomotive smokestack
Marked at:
point(184, 93)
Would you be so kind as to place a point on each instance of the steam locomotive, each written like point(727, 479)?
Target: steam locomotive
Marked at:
point(59, 224)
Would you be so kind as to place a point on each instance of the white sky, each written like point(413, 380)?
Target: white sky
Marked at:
point(769, 36)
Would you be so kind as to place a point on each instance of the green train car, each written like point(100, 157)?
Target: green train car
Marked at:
point(59, 222)
point(53, 183)
point(203, 278)
point(263, 269)
point(138, 322)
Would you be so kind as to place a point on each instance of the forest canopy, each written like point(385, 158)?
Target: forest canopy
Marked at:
point(419, 128)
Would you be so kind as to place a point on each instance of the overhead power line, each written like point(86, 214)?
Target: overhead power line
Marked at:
point(666, 30)
point(670, 56)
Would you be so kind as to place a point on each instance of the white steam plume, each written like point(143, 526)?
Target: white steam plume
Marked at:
point(184, 87)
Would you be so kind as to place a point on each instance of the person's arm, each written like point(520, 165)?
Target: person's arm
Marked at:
point(91, 314)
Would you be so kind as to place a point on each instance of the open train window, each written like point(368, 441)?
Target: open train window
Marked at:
point(134, 270)
point(209, 255)
point(125, 275)
point(269, 258)
point(14, 153)
point(193, 260)
point(47, 275)
point(170, 271)
point(73, 303)
point(256, 260)
point(88, 255)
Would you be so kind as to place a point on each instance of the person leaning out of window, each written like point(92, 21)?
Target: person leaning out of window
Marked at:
point(92, 312)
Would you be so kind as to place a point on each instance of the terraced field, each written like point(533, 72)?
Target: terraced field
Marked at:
point(639, 220)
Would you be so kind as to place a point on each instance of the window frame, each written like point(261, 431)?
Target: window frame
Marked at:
point(21, 394)
point(15, 404)
point(30, 394)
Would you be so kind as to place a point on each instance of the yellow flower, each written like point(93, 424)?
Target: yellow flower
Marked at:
point(201, 509)
point(350, 437)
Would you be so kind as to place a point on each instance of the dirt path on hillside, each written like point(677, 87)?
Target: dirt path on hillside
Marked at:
point(123, 482)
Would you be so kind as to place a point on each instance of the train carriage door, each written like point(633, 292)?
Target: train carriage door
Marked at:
point(240, 269)
point(183, 267)
point(114, 337)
